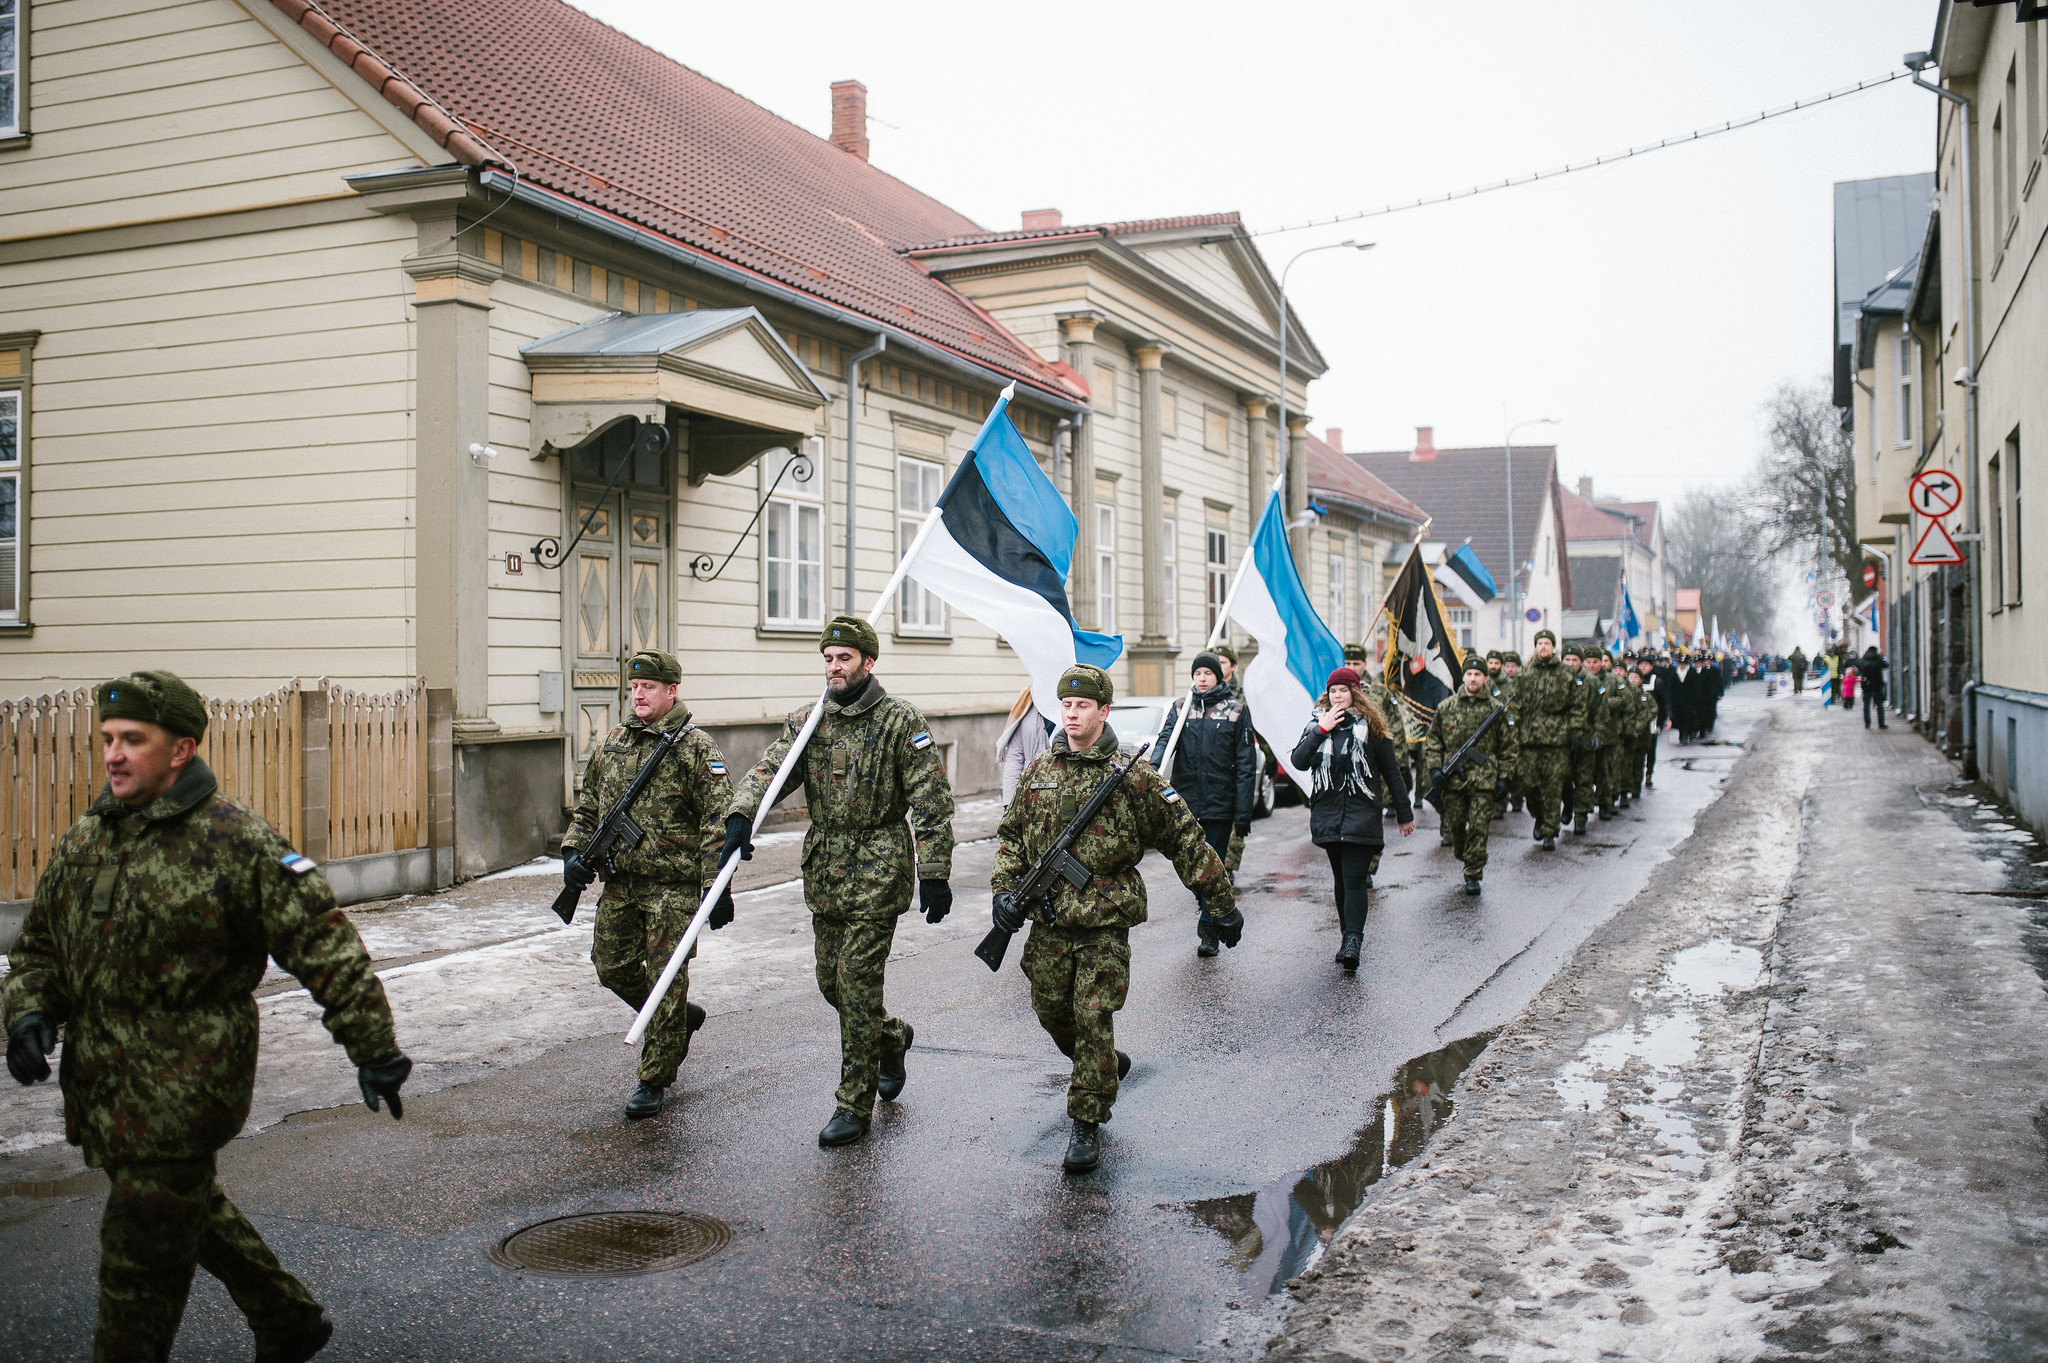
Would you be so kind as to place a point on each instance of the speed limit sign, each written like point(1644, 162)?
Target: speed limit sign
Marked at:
point(1824, 599)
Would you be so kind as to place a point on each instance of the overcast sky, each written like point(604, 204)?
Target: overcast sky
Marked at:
point(1652, 306)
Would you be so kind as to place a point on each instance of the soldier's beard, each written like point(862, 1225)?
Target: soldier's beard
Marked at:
point(849, 682)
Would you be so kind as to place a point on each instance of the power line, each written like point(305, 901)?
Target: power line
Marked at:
point(1611, 159)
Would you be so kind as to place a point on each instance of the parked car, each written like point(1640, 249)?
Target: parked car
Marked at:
point(1137, 721)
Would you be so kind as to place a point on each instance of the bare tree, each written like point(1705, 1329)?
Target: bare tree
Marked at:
point(1710, 541)
point(1803, 493)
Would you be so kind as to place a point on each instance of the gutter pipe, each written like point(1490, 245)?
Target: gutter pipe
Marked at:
point(853, 364)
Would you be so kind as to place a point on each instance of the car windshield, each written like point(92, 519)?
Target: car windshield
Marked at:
point(1137, 721)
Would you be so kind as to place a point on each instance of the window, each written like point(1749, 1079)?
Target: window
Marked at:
point(2018, 527)
point(1997, 535)
point(1336, 591)
point(1219, 573)
point(11, 91)
point(2013, 160)
point(918, 484)
point(792, 549)
point(2000, 199)
point(1215, 430)
point(1169, 412)
point(1460, 621)
point(1105, 568)
point(1169, 527)
point(10, 505)
point(1103, 398)
point(1908, 419)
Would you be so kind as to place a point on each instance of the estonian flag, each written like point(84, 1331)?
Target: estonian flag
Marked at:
point(1423, 666)
point(1297, 653)
point(1471, 580)
point(1000, 550)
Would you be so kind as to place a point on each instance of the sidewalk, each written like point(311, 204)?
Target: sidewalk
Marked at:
point(1784, 1105)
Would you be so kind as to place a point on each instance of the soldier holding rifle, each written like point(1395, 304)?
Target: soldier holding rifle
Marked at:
point(1462, 780)
point(1078, 957)
point(651, 888)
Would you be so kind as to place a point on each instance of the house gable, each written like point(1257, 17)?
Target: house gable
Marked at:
point(1212, 271)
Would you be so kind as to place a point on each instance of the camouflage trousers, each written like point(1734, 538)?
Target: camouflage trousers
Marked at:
point(1545, 777)
point(638, 924)
point(161, 1222)
point(1466, 814)
point(1646, 761)
point(852, 953)
point(1079, 978)
point(1584, 787)
point(1615, 760)
point(1234, 858)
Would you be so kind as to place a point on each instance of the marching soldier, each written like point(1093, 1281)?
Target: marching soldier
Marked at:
point(649, 900)
point(1467, 800)
point(1583, 785)
point(1609, 713)
point(1659, 693)
point(1547, 700)
point(1642, 715)
point(870, 764)
point(1078, 957)
point(144, 944)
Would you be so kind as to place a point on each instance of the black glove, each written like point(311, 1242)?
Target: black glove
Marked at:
point(382, 1079)
point(28, 1048)
point(1229, 928)
point(576, 873)
point(739, 837)
point(1243, 828)
point(1500, 789)
point(1007, 912)
point(935, 897)
point(721, 912)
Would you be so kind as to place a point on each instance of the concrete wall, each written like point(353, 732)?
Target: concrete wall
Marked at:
point(2012, 749)
point(508, 801)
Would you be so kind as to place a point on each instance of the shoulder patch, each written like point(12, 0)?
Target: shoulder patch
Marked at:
point(298, 863)
point(921, 739)
point(717, 767)
point(1170, 793)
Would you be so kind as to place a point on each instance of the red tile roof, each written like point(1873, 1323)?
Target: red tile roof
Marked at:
point(1332, 475)
point(1132, 228)
point(1585, 521)
point(1644, 513)
point(579, 108)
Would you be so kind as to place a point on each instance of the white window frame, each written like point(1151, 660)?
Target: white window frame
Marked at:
point(1337, 576)
point(1903, 390)
point(14, 73)
point(1459, 618)
point(1170, 577)
point(792, 504)
point(13, 411)
point(1217, 552)
point(1105, 567)
point(917, 611)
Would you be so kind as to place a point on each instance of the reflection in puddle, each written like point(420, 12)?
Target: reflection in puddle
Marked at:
point(1281, 1230)
point(78, 1185)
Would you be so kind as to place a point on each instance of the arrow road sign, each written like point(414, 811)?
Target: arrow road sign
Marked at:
point(1935, 493)
point(1935, 548)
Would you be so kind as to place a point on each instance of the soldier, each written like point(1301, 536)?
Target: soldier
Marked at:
point(1390, 705)
point(1548, 703)
point(1510, 671)
point(870, 763)
point(1227, 656)
point(1609, 709)
point(1583, 785)
point(144, 944)
point(648, 903)
point(1466, 804)
point(1659, 695)
point(1078, 957)
point(1642, 714)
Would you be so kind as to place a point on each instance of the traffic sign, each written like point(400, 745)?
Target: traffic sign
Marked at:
point(1824, 599)
point(1935, 548)
point(1532, 615)
point(1935, 493)
point(1870, 574)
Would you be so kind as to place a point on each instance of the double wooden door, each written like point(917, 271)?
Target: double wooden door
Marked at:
point(618, 580)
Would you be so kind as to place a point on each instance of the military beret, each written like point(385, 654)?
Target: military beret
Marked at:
point(160, 698)
point(1226, 651)
point(1355, 653)
point(850, 631)
point(1543, 634)
point(1493, 655)
point(651, 664)
point(1087, 681)
point(1508, 655)
point(1206, 659)
point(1474, 663)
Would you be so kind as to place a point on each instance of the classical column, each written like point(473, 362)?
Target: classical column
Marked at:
point(1297, 488)
point(1151, 494)
point(1256, 478)
point(1080, 336)
point(452, 301)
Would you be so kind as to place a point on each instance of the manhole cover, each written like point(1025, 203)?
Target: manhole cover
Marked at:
point(612, 1244)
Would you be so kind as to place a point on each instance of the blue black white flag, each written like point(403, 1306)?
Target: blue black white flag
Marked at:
point(1297, 652)
point(1000, 551)
point(1464, 574)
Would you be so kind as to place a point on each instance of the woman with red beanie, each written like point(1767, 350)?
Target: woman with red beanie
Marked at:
point(1348, 751)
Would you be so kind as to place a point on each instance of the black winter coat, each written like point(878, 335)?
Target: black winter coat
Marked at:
point(1352, 776)
point(1216, 766)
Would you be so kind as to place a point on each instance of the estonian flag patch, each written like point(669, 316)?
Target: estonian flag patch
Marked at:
point(920, 740)
point(718, 768)
point(1171, 794)
point(298, 863)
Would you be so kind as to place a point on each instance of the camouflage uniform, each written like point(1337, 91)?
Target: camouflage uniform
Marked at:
point(646, 907)
point(1610, 710)
point(1548, 710)
point(145, 942)
point(1642, 731)
point(1584, 783)
point(1466, 805)
point(869, 764)
point(1078, 957)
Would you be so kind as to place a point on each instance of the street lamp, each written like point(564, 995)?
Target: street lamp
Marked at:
point(1307, 251)
point(1514, 557)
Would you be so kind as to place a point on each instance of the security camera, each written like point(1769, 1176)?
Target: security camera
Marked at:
point(1964, 377)
point(479, 453)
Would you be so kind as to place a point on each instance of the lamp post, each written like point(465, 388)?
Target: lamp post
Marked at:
point(1306, 251)
point(1514, 558)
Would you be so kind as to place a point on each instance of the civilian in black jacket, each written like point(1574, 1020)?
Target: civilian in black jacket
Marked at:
point(1870, 670)
point(1348, 751)
point(1214, 768)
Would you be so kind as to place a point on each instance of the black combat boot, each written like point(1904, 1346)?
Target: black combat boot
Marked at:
point(1084, 1150)
point(1471, 884)
point(893, 1074)
point(1621, 800)
point(1123, 1066)
point(1578, 823)
point(1606, 813)
point(1347, 953)
point(1207, 945)
point(1550, 843)
point(843, 1129)
point(646, 1100)
point(297, 1348)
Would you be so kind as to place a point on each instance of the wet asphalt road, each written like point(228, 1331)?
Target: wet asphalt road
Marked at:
point(951, 1232)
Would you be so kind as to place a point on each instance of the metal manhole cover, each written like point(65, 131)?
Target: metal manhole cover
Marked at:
point(612, 1244)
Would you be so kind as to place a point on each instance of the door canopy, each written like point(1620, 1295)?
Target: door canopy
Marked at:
point(738, 386)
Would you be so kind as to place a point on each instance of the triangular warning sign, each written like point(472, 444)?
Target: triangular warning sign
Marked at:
point(1935, 548)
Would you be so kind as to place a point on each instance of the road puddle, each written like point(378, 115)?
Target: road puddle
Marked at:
point(1281, 1230)
point(87, 1184)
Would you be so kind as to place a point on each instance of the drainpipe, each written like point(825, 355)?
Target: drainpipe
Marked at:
point(853, 363)
point(1967, 377)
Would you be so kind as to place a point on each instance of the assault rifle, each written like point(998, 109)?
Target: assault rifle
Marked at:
point(1467, 753)
point(1058, 860)
point(618, 833)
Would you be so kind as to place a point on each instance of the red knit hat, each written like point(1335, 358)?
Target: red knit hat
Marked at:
point(1347, 676)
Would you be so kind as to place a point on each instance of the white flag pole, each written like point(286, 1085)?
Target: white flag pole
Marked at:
point(768, 799)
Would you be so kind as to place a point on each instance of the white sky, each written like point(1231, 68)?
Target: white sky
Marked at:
point(1653, 306)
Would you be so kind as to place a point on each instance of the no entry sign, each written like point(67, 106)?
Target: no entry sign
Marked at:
point(1870, 574)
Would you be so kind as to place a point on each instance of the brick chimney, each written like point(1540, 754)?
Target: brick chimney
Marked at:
point(850, 117)
point(1586, 486)
point(1041, 219)
point(1334, 438)
point(1425, 445)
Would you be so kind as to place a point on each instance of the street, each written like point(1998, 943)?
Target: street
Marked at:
point(951, 1232)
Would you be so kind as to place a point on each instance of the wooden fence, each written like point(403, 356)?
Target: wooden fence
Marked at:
point(376, 796)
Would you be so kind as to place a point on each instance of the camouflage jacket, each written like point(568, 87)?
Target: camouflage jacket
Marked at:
point(682, 810)
point(145, 942)
point(1582, 709)
point(867, 766)
point(1144, 812)
point(1610, 708)
point(1457, 719)
point(1644, 716)
point(1382, 695)
point(1547, 704)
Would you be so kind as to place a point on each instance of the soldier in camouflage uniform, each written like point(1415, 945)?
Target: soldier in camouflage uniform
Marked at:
point(1227, 655)
point(1547, 712)
point(648, 903)
point(1642, 714)
point(1078, 957)
point(1466, 805)
point(870, 763)
point(1582, 787)
point(144, 944)
point(1609, 711)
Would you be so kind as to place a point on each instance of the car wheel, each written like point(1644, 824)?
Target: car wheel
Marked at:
point(1262, 796)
